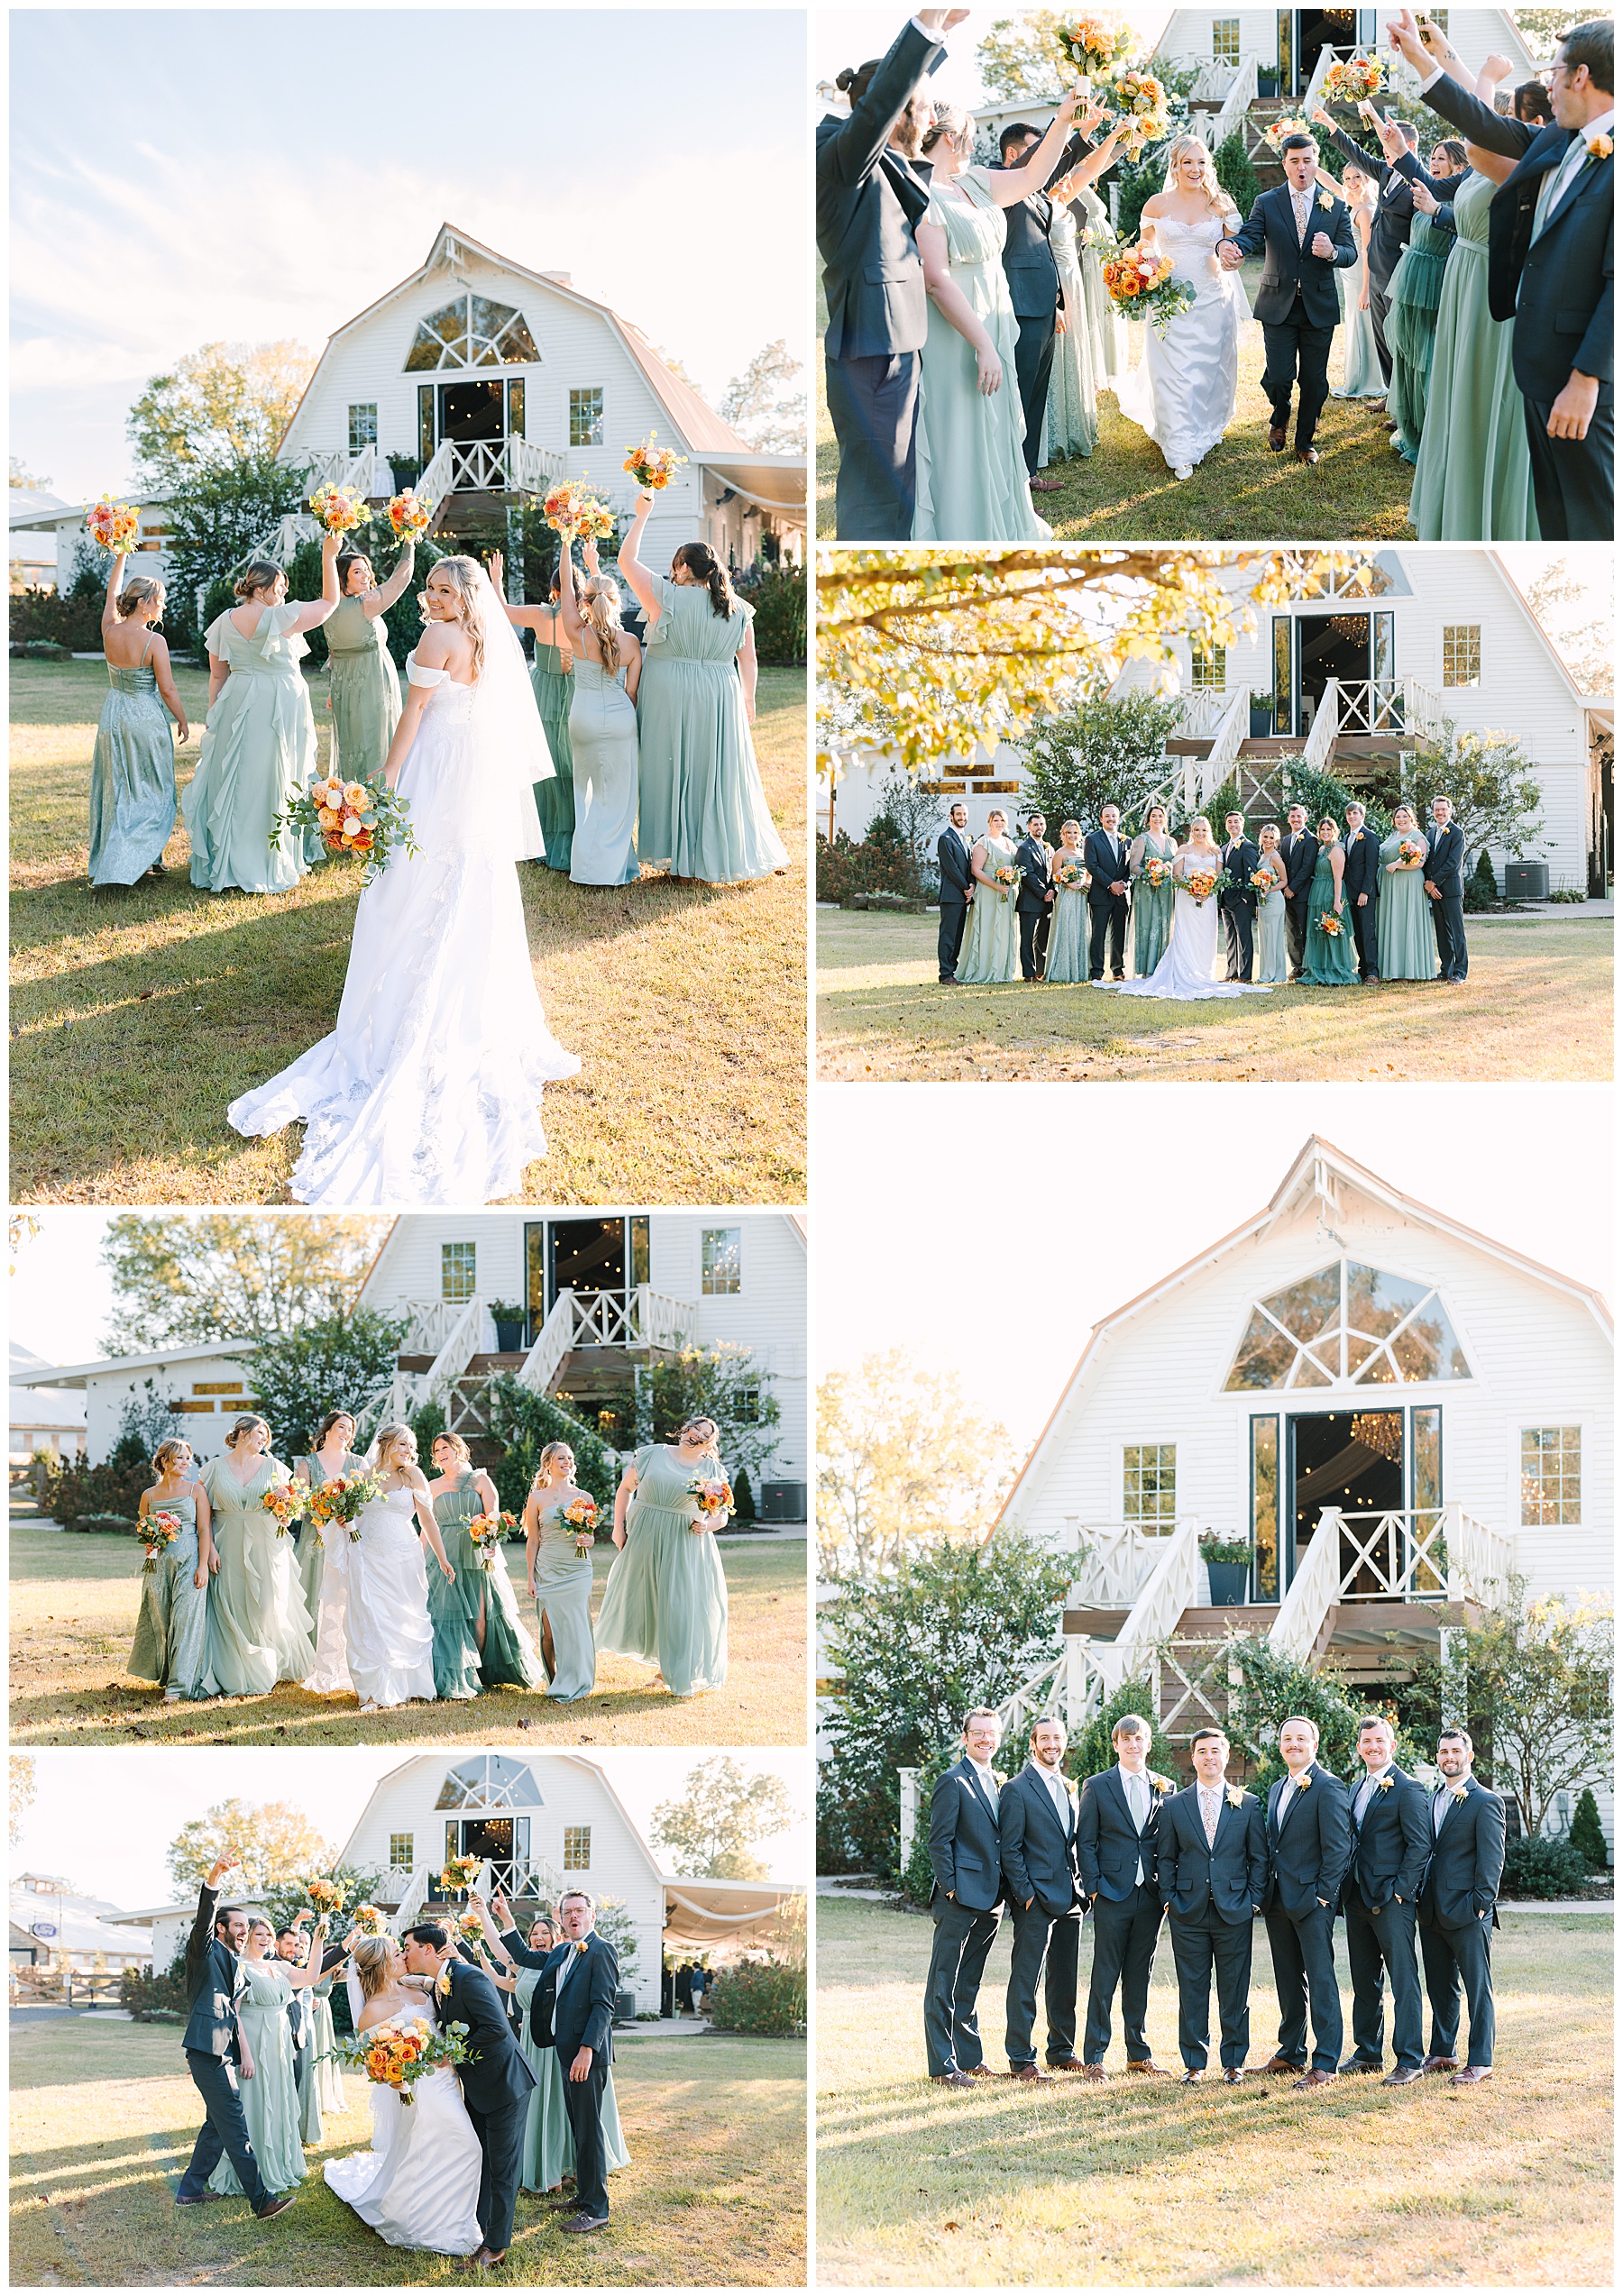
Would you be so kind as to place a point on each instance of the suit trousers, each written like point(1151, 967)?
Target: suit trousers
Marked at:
point(1125, 1934)
point(1381, 304)
point(1453, 1958)
point(1204, 1945)
point(1295, 933)
point(1573, 477)
point(1304, 1964)
point(1237, 937)
point(1448, 927)
point(501, 2135)
point(1033, 364)
point(1047, 1948)
point(1107, 919)
point(949, 936)
point(874, 406)
point(224, 2131)
point(1035, 925)
point(958, 1956)
point(1297, 356)
point(1381, 1944)
point(1366, 927)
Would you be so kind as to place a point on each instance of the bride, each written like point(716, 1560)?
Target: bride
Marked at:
point(428, 1089)
point(1182, 391)
point(1185, 969)
point(386, 1622)
point(418, 2186)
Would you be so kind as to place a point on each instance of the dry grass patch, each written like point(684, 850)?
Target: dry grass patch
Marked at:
point(1151, 2184)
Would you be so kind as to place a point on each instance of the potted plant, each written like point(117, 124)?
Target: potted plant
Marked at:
point(507, 1316)
point(1268, 82)
point(1227, 1557)
point(1261, 715)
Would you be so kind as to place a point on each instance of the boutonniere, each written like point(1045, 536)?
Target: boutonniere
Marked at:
point(1385, 1787)
point(1325, 200)
point(1162, 1785)
point(582, 1944)
point(1600, 147)
point(443, 1985)
point(1233, 1797)
point(1459, 1793)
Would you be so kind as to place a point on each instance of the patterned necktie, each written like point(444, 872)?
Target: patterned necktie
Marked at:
point(1298, 201)
point(1210, 1807)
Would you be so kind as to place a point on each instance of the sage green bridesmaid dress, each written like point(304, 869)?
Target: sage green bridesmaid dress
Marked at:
point(701, 807)
point(1105, 332)
point(1330, 960)
point(666, 1596)
point(602, 743)
point(1273, 953)
point(260, 1632)
point(506, 1656)
point(1473, 480)
point(172, 1631)
point(549, 2144)
point(363, 689)
point(324, 2090)
point(1070, 420)
point(553, 688)
point(991, 951)
point(1415, 289)
point(311, 1559)
point(258, 751)
point(271, 2099)
point(564, 1598)
point(1152, 907)
point(1361, 360)
point(1404, 935)
point(133, 800)
point(1068, 935)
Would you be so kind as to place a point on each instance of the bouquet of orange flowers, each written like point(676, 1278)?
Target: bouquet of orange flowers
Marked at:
point(711, 1494)
point(409, 515)
point(570, 510)
point(1093, 45)
point(1139, 101)
point(368, 1920)
point(339, 508)
point(157, 1531)
point(328, 1897)
point(1071, 874)
point(1412, 851)
point(652, 467)
point(1263, 880)
point(581, 1516)
point(487, 1531)
point(1200, 884)
point(1143, 288)
point(1353, 79)
point(1005, 877)
point(114, 526)
point(470, 1928)
point(1331, 925)
point(402, 2050)
point(1155, 869)
point(457, 1874)
point(341, 1500)
point(1277, 134)
point(284, 1502)
point(367, 818)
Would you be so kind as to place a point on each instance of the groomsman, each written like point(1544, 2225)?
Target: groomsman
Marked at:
point(958, 891)
point(1298, 850)
point(1211, 1865)
point(966, 1859)
point(1394, 211)
point(1238, 896)
point(1459, 1910)
point(1361, 886)
point(1309, 1847)
point(1445, 890)
point(1115, 1864)
point(1033, 277)
point(1104, 858)
point(1390, 1842)
point(217, 2055)
point(1037, 1839)
point(1034, 902)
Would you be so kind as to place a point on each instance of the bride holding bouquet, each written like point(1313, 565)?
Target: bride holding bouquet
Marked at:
point(1182, 393)
point(1185, 971)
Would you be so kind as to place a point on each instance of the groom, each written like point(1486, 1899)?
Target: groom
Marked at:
point(1238, 895)
point(1306, 236)
point(495, 2075)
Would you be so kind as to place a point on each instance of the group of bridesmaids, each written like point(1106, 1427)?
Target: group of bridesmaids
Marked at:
point(403, 1603)
point(653, 756)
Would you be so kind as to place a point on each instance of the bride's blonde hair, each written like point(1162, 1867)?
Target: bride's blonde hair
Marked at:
point(1215, 195)
point(373, 1956)
point(1201, 822)
point(464, 575)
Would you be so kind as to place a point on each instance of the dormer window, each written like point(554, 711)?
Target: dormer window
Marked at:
point(472, 332)
point(1348, 1322)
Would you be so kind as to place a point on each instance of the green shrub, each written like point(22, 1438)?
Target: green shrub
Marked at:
point(524, 1422)
point(1481, 887)
point(744, 1506)
point(70, 1492)
point(119, 1525)
point(778, 594)
point(1095, 1750)
point(54, 618)
point(149, 1997)
point(881, 863)
point(1235, 172)
point(767, 1998)
point(1587, 1836)
point(1538, 1865)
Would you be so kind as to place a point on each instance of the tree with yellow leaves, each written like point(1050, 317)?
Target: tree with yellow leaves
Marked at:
point(905, 1460)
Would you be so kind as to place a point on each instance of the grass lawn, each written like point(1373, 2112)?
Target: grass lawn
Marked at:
point(104, 2118)
point(1536, 1010)
point(1155, 2185)
point(1359, 489)
point(75, 1597)
point(138, 1015)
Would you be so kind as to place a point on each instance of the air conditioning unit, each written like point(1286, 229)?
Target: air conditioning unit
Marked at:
point(1527, 881)
point(782, 1503)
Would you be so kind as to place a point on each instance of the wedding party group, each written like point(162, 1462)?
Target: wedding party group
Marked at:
point(615, 752)
point(359, 1577)
point(474, 2098)
point(973, 312)
point(1395, 1861)
point(1330, 906)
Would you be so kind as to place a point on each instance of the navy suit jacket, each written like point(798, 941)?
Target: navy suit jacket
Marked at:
point(495, 2072)
point(1109, 1847)
point(1392, 1844)
point(869, 201)
point(1230, 1874)
point(1234, 874)
point(214, 1979)
point(583, 2009)
point(952, 853)
point(1036, 863)
point(1269, 231)
point(1309, 1855)
point(1445, 861)
point(1102, 868)
point(1028, 260)
point(1394, 201)
point(966, 1855)
point(1467, 1860)
point(1299, 864)
point(1038, 1856)
point(1363, 864)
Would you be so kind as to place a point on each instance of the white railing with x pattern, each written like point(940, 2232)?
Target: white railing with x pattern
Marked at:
point(1116, 1561)
point(1193, 780)
point(1413, 1555)
point(1242, 93)
point(1322, 733)
point(1168, 1591)
point(490, 466)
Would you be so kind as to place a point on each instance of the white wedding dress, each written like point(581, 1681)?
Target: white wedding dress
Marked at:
point(418, 2186)
point(1183, 390)
point(387, 1631)
point(1185, 971)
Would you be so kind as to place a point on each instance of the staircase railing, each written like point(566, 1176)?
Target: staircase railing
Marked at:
point(490, 466)
point(633, 1320)
point(551, 1347)
point(458, 1351)
point(367, 472)
point(1117, 1560)
point(1168, 1592)
point(1479, 1561)
point(1233, 727)
point(1393, 1554)
point(1311, 1594)
point(1192, 780)
point(1241, 95)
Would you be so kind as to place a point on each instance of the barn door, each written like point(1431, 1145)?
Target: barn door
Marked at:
point(1284, 677)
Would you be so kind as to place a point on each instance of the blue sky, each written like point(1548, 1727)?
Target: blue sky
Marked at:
point(213, 204)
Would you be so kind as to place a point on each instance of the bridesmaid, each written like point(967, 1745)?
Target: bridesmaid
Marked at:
point(559, 1578)
point(1152, 903)
point(271, 2099)
point(324, 2089)
point(258, 1630)
point(991, 952)
point(259, 745)
point(133, 801)
point(701, 810)
point(553, 689)
point(1329, 960)
point(363, 688)
point(1068, 936)
point(1070, 419)
point(504, 1655)
point(602, 730)
point(1415, 290)
point(1273, 958)
point(1360, 373)
point(1404, 936)
point(1104, 328)
point(332, 1457)
point(667, 1597)
point(171, 1634)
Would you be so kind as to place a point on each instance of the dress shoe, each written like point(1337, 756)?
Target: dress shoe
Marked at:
point(1361, 2064)
point(1027, 2073)
point(1044, 486)
point(1067, 2065)
point(583, 2223)
point(1192, 2073)
point(1470, 2075)
point(195, 2200)
point(1282, 2064)
point(982, 2072)
point(1441, 2064)
point(1146, 2064)
point(1307, 454)
point(1095, 2074)
point(276, 2206)
point(947, 981)
point(1314, 2077)
point(1276, 440)
point(1400, 2077)
point(953, 2079)
point(1234, 2075)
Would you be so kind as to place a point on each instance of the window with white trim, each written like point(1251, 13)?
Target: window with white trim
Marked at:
point(1348, 1321)
point(1225, 39)
point(402, 1851)
point(458, 1266)
point(1551, 1475)
point(577, 1849)
point(1208, 665)
point(1150, 1484)
point(721, 1260)
point(1461, 654)
point(586, 416)
point(362, 427)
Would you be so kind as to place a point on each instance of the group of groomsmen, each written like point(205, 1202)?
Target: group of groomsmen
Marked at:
point(1398, 1862)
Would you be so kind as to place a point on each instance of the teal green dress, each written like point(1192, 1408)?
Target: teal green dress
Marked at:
point(1404, 935)
point(505, 1656)
point(133, 800)
point(1361, 361)
point(1415, 289)
point(602, 743)
point(258, 752)
point(324, 2089)
point(1070, 421)
point(1273, 951)
point(1330, 960)
point(564, 1598)
point(311, 1559)
point(271, 2099)
point(991, 951)
point(1068, 935)
point(553, 689)
point(1151, 906)
point(171, 1633)
point(667, 1597)
point(548, 2146)
point(972, 478)
point(701, 811)
point(260, 1632)
point(1473, 480)
point(363, 689)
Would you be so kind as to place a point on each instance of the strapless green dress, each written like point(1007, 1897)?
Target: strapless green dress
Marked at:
point(172, 1631)
point(667, 1597)
point(552, 682)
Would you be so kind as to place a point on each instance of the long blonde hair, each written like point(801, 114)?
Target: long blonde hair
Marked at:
point(388, 1436)
point(464, 575)
point(1215, 195)
point(600, 605)
point(372, 1958)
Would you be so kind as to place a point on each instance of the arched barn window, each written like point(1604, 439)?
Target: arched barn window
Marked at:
point(472, 331)
point(1352, 1322)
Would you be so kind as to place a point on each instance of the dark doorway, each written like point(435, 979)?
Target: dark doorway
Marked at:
point(1334, 645)
point(1348, 1459)
point(471, 410)
point(1316, 30)
point(1599, 876)
point(587, 1256)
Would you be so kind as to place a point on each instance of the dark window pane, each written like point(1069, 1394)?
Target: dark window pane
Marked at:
point(1264, 1357)
point(518, 344)
point(1308, 1374)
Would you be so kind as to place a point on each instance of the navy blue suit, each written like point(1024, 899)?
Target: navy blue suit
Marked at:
point(965, 1858)
point(1297, 301)
point(1238, 896)
point(1299, 856)
point(1033, 278)
point(952, 854)
point(1210, 1893)
point(1445, 868)
point(1390, 1844)
point(583, 2018)
point(1459, 1914)
point(1362, 851)
point(1033, 903)
point(1106, 863)
point(213, 2045)
point(1307, 1858)
point(496, 2083)
point(1038, 1856)
point(1110, 1853)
